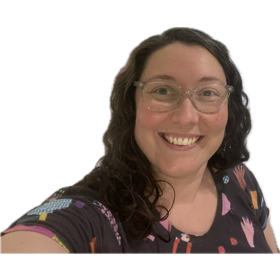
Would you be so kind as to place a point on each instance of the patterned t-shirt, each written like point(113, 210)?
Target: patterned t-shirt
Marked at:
point(81, 224)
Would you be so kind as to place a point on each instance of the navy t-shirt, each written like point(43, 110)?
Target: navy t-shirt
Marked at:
point(82, 224)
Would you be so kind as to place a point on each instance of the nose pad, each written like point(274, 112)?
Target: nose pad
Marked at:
point(194, 104)
point(188, 92)
point(188, 96)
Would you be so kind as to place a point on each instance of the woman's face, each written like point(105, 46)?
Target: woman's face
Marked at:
point(188, 67)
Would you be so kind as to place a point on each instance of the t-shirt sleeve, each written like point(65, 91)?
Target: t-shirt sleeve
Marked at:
point(79, 224)
point(258, 202)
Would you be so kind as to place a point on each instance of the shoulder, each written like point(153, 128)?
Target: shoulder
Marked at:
point(245, 178)
point(241, 185)
point(74, 218)
point(240, 174)
point(29, 242)
point(242, 180)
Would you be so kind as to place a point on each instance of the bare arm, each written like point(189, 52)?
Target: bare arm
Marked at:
point(29, 242)
point(268, 233)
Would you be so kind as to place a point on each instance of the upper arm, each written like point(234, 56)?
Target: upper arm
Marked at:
point(268, 233)
point(29, 242)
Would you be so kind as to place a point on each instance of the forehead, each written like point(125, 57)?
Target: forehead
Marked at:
point(186, 64)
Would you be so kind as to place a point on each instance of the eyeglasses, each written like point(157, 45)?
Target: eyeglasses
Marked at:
point(164, 96)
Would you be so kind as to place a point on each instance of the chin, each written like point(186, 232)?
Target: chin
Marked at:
point(177, 171)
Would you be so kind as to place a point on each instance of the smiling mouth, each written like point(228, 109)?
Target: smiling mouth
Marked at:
point(181, 141)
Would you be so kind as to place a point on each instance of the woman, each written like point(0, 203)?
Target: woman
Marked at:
point(172, 178)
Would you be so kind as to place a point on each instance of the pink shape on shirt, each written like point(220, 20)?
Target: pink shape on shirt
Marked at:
point(226, 204)
point(31, 228)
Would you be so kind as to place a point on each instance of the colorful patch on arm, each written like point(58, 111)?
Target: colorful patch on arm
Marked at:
point(51, 206)
point(107, 213)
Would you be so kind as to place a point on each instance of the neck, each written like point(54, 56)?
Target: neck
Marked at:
point(186, 189)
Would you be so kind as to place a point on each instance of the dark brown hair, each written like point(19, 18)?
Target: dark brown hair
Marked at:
point(124, 176)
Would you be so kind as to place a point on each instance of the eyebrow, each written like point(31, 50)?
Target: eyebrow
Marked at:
point(170, 78)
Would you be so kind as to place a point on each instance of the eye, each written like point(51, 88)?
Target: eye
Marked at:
point(162, 91)
point(209, 92)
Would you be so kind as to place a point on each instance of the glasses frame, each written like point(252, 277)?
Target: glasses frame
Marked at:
point(141, 84)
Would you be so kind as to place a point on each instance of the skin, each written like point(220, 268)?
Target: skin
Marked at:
point(187, 65)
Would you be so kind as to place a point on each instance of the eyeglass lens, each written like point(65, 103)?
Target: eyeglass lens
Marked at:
point(163, 97)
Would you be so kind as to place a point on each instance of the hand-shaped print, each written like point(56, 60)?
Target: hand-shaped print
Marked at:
point(239, 172)
point(248, 229)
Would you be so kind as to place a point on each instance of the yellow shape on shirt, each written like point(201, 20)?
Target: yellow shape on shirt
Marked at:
point(43, 216)
point(254, 196)
point(60, 243)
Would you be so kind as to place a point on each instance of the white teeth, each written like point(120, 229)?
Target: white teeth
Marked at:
point(185, 142)
point(180, 141)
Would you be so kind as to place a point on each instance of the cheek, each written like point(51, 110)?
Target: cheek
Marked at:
point(219, 121)
point(146, 122)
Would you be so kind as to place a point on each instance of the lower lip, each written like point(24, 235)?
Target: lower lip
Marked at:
point(181, 147)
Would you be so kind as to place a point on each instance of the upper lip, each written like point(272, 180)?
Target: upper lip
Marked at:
point(180, 135)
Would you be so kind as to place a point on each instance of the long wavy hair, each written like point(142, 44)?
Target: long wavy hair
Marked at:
point(123, 176)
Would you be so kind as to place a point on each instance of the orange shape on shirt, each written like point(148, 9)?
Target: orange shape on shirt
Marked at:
point(92, 245)
point(189, 247)
point(175, 245)
point(254, 196)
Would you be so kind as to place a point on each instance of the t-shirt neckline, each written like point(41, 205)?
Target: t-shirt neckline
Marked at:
point(198, 239)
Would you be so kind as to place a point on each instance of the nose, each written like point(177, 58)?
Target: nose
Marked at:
point(185, 113)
